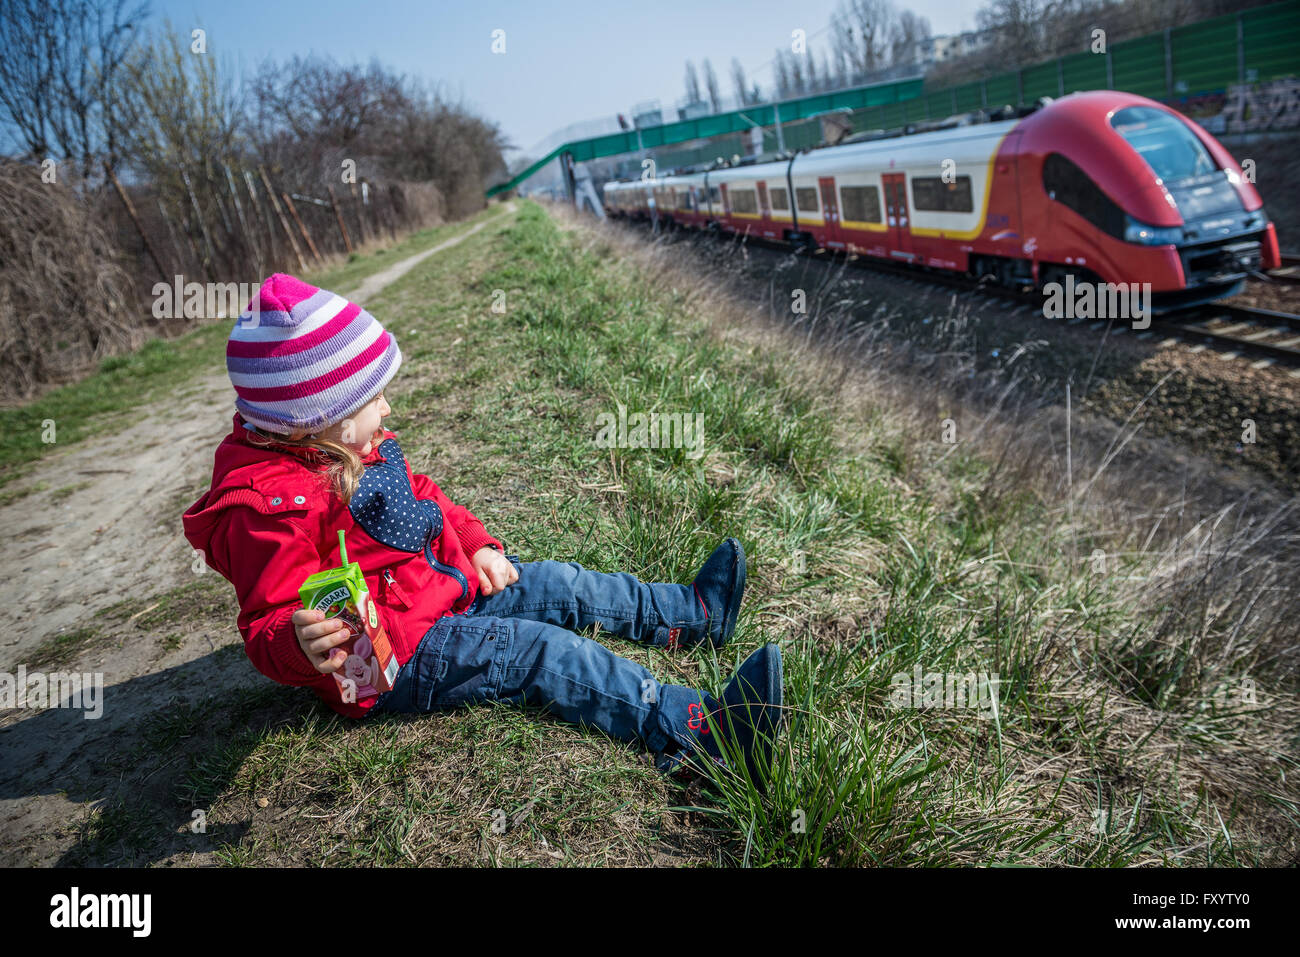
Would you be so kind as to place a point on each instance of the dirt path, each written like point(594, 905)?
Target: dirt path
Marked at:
point(115, 536)
point(374, 283)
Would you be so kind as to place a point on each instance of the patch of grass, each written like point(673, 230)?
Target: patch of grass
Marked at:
point(60, 649)
point(8, 496)
point(115, 834)
point(59, 494)
point(208, 597)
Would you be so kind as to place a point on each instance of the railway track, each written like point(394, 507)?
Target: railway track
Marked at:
point(1288, 272)
point(1264, 337)
point(1261, 336)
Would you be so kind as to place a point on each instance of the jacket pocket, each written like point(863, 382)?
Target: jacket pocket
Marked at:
point(392, 592)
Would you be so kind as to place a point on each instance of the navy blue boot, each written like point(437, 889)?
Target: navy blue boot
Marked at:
point(748, 716)
point(719, 585)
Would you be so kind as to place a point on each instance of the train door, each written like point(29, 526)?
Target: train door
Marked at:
point(900, 233)
point(830, 212)
point(726, 202)
point(764, 210)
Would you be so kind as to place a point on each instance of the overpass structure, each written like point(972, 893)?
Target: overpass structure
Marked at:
point(721, 124)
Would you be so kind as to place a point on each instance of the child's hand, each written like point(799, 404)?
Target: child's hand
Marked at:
point(318, 638)
point(495, 571)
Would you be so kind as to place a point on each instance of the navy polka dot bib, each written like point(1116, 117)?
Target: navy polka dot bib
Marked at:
point(386, 507)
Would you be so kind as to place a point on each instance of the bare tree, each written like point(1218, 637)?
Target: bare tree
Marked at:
point(176, 119)
point(781, 74)
point(711, 85)
point(828, 74)
point(432, 139)
point(796, 65)
point(316, 98)
point(1018, 27)
point(908, 30)
point(174, 110)
point(738, 81)
point(692, 83)
point(313, 113)
point(843, 73)
point(860, 31)
point(58, 70)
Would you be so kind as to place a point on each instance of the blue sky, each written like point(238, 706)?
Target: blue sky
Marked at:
point(564, 62)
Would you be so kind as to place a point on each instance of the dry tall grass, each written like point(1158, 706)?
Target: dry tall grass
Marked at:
point(65, 298)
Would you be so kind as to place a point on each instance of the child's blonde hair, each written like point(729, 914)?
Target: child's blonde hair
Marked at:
point(344, 470)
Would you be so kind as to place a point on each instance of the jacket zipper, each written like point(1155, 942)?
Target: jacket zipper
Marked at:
point(392, 583)
point(447, 570)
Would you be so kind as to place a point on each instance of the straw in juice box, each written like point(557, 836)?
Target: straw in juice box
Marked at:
point(370, 667)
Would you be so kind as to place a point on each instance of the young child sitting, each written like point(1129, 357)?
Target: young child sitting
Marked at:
point(308, 455)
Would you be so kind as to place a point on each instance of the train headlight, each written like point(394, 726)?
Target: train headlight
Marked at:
point(1139, 232)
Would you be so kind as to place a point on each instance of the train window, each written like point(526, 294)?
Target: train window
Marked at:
point(931, 193)
point(780, 198)
point(1166, 144)
point(1072, 187)
point(684, 199)
point(806, 197)
point(860, 204)
point(715, 195)
point(743, 201)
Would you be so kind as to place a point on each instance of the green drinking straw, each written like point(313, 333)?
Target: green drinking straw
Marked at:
point(343, 548)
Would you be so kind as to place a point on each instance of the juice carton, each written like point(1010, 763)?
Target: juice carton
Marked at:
point(371, 666)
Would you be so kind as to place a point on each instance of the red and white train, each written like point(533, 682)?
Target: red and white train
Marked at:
point(1104, 185)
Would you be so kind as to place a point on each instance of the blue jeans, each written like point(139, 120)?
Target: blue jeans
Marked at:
point(519, 646)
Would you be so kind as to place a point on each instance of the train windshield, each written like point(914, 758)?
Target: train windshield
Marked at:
point(1171, 149)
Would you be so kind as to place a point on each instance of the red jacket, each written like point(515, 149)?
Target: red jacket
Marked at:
point(269, 521)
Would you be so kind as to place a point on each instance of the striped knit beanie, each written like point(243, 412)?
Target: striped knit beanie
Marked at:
point(303, 358)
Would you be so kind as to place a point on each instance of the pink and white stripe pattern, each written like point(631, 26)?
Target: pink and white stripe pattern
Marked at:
point(306, 358)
